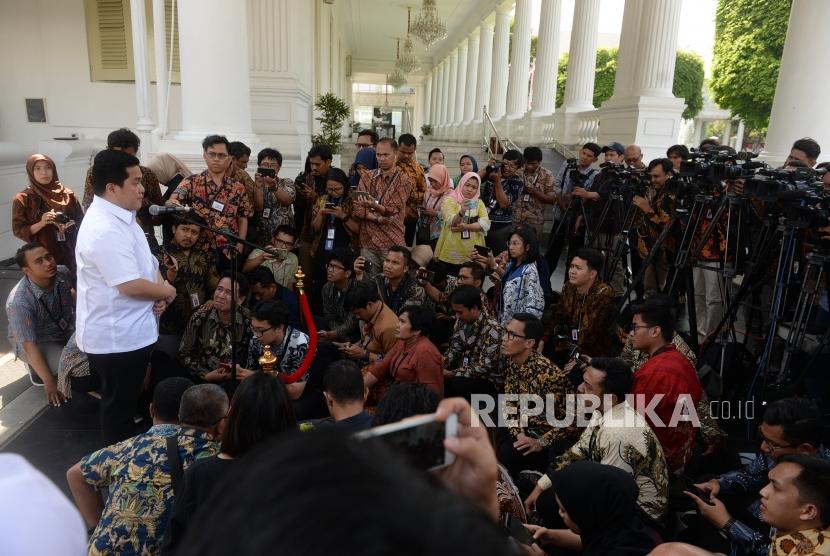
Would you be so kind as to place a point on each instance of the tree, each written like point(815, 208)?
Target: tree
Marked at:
point(333, 112)
point(749, 43)
point(688, 79)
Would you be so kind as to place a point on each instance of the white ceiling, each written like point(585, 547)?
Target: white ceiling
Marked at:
point(372, 27)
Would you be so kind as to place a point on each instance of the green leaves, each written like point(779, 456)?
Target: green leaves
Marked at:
point(333, 112)
point(749, 43)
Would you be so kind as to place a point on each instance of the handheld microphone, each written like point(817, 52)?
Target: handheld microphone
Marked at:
point(156, 210)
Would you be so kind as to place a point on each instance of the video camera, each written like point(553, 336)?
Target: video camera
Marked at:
point(797, 194)
point(712, 166)
point(635, 181)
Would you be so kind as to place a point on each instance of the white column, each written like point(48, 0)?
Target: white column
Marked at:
point(461, 80)
point(453, 83)
point(739, 136)
point(160, 48)
point(445, 94)
point(629, 49)
point(498, 81)
point(485, 68)
point(799, 108)
point(471, 79)
point(582, 60)
point(519, 61)
point(426, 112)
point(547, 58)
point(727, 132)
point(439, 85)
point(144, 124)
point(211, 104)
point(660, 24)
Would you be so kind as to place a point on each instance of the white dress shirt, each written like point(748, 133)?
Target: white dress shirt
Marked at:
point(112, 250)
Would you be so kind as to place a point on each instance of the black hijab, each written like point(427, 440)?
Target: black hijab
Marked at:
point(602, 501)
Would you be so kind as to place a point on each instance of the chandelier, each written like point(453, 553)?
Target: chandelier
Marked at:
point(397, 78)
point(427, 27)
point(385, 110)
point(408, 62)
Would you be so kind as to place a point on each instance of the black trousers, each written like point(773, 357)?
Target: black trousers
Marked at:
point(121, 375)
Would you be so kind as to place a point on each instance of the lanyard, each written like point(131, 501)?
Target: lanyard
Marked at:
point(59, 321)
point(388, 186)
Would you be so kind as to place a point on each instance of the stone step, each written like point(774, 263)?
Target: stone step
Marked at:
point(20, 401)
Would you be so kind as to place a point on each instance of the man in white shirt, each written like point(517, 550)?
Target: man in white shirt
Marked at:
point(120, 291)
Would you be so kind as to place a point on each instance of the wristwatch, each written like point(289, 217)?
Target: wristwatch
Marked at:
point(726, 530)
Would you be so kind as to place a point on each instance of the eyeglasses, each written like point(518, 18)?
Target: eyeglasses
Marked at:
point(362, 145)
point(773, 446)
point(335, 266)
point(261, 331)
point(511, 336)
point(216, 156)
point(634, 327)
point(283, 243)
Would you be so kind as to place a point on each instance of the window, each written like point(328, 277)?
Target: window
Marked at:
point(110, 41)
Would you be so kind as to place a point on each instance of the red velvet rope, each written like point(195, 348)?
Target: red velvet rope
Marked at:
point(312, 343)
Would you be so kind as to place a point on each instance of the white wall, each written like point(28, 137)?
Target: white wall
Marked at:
point(44, 49)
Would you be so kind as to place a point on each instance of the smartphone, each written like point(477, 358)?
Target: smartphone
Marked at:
point(367, 267)
point(700, 493)
point(517, 530)
point(424, 274)
point(270, 172)
point(482, 250)
point(362, 196)
point(419, 439)
point(330, 205)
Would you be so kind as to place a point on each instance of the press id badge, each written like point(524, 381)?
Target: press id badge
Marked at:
point(465, 234)
point(217, 206)
point(526, 197)
point(266, 212)
point(61, 236)
point(194, 300)
point(574, 334)
point(330, 233)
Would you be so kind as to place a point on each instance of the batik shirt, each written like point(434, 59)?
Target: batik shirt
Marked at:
point(812, 542)
point(474, 350)
point(195, 281)
point(391, 190)
point(528, 209)
point(36, 315)
point(663, 204)
point(623, 439)
point(136, 476)
point(512, 187)
point(541, 377)
point(207, 340)
point(415, 175)
point(444, 299)
point(590, 317)
point(275, 214)
point(521, 292)
point(289, 354)
point(750, 480)
point(409, 292)
point(220, 206)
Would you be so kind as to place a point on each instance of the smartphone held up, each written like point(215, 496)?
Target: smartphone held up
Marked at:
point(419, 439)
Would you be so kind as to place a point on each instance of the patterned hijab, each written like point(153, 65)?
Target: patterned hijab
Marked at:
point(54, 194)
point(456, 193)
point(440, 174)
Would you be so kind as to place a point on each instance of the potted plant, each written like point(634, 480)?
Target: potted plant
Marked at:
point(426, 129)
point(333, 112)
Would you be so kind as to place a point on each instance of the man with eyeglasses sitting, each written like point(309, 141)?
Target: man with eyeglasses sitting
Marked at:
point(790, 426)
point(220, 200)
point(280, 260)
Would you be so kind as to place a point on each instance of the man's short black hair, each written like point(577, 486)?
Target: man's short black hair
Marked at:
point(260, 410)
point(388, 507)
point(123, 139)
point(405, 253)
point(592, 257)
point(680, 150)
point(800, 420)
point(467, 296)
point(532, 154)
point(708, 144)
point(514, 156)
point(20, 255)
point(618, 380)
point(420, 318)
point(533, 329)
point(344, 381)
point(192, 218)
point(203, 405)
point(167, 397)
point(269, 153)
point(360, 296)
point(808, 146)
point(212, 140)
point(433, 151)
point(261, 275)
point(593, 147)
point(274, 311)
point(238, 148)
point(323, 152)
point(656, 313)
point(288, 230)
point(370, 133)
point(476, 271)
point(813, 483)
point(405, 399)
point(407, 139)
point(389, 141)
point(664, 163)
point(241, 280)
point(111, 167)
point(344, 257)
